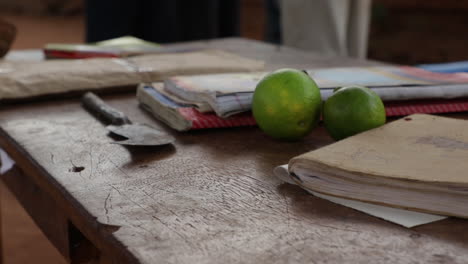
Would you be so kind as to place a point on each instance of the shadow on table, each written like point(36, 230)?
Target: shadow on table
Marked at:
point(311, 207)
point(142, 155)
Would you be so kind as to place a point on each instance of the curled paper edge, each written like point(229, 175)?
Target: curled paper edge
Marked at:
point(6, 163)
point(398, 216)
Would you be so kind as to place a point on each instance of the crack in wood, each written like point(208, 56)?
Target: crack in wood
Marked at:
point(105, 206)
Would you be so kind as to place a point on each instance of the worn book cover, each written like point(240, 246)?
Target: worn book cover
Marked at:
point(418, 163)
point(184, 115)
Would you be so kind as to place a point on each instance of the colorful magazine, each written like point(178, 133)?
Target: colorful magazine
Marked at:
point(229, 94)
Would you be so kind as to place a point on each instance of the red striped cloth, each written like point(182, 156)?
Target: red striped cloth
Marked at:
point(396, 108)
point(211, 120)
point(402, 108)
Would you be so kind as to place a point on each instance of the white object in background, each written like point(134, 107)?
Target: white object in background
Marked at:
point(25, 55)
point(6, 163)
point(398, 216)
point(329, 27)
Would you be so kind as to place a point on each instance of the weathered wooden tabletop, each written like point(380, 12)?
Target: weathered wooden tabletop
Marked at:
point(212, 198)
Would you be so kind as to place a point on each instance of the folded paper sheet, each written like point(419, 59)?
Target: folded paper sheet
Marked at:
point(398, 216)
point(27, 79)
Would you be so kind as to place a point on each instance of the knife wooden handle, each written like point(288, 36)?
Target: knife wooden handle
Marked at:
point(106, 112)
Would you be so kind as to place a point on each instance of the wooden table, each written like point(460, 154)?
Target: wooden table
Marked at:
point(212, 198)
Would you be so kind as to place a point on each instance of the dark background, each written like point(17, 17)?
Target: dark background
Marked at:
point(402, 31)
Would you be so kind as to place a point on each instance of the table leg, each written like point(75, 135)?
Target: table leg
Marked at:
point(1, 228)
point(41, 207)
point(66, 238)
point(81, 249)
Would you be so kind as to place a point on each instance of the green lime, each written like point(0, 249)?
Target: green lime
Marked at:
point(286, 104)
point(351, 110)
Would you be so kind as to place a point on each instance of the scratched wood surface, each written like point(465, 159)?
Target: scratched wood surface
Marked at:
point(212, 197)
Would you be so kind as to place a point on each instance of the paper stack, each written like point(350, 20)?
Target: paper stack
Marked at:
point(216, 100)
point(181, 114)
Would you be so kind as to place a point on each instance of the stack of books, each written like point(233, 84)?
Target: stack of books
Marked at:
point(224, 100)
point(183, 115)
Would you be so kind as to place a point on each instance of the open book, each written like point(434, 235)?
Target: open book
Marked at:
point(416, 163)
point(230, 94)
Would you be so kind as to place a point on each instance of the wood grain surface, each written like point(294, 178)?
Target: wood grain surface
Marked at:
point(212, 197)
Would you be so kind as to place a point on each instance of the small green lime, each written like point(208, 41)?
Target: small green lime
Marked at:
point(351, 110)
point(286, 104)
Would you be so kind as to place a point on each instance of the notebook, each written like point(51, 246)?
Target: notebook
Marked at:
point(183, 116)
point(416, 163)
point(398, 216)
